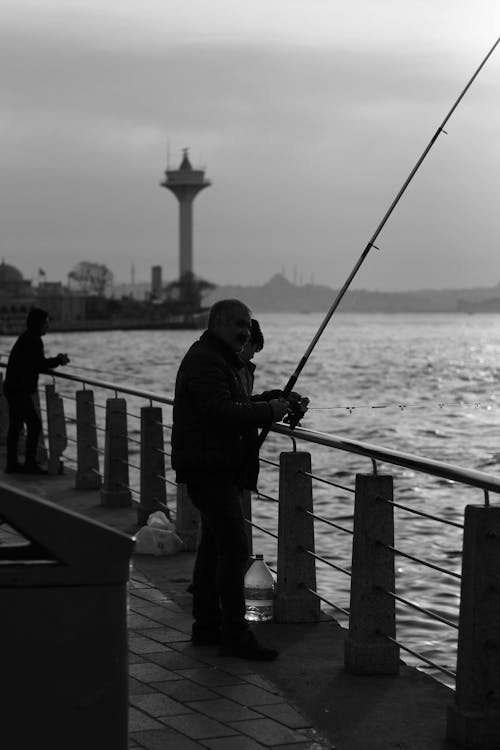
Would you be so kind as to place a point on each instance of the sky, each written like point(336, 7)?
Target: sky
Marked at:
point(308, 116)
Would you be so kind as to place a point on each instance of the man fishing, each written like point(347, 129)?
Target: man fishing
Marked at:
point(26, 360)
point(214, 452)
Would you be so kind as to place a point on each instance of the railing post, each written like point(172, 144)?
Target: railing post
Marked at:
point(187, 518)
point(41, 450)
point(4, 414)
point(87, 472)
point(474, 720)
point(115, 491)
point(296, 568)
point(56, 429)
point(153, 488)
point(372, 612)
point(246, 507)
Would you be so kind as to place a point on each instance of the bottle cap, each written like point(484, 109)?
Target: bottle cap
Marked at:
point(258, 557)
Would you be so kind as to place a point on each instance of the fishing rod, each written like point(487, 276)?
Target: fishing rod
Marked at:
point(293, 419)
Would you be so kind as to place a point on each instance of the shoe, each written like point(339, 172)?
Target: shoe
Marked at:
point(15, 468)
point(246, 646)
point(33, 468)
point(205, 636)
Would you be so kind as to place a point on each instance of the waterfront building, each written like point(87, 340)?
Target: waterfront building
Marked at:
point(156, 282)
point(18, 295)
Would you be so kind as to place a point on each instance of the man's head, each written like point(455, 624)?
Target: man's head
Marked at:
point(37, 321)
point(229, 319)
point(255, 343)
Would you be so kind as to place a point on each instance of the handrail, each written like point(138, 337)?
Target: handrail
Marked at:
point(374, 453)
point(482, 480)
point(452, 472)
point(149, 395)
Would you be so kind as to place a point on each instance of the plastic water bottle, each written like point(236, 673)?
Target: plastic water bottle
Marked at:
point(259, 591)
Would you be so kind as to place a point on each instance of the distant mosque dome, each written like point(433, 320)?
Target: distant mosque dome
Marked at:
point(10, 274)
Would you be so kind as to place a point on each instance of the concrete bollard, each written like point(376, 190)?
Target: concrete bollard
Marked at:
point(296, 568)
point(372, 612)
point(56, 429)
point(187, 518)
point(246, 506)
point(153, 489)
point(115, 491)
point(474, 720)
point(4, 414)
point(41, 450)
point(87, 472)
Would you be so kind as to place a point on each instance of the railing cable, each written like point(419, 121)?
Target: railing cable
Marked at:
point(327, 521)
point(419, 560)
point(327, 601)
point(265, 531)
point(327, 562)
point(420, 656)
point(263, 496)
point(420, 513)
point(326, 481)
point(428, 612)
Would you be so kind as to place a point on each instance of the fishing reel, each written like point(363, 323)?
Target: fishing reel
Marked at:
point(298, 407)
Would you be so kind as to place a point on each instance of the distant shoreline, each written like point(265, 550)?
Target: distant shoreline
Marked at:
point(280, 295)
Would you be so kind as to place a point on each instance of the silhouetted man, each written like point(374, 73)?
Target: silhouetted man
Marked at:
point(26, 361)
point(212, 418)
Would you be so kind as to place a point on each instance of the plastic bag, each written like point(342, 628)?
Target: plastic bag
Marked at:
point(159, 520)
point(158, 537)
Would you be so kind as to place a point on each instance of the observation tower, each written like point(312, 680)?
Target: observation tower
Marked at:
point(185, 183)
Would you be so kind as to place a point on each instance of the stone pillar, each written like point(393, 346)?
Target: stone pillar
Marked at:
point(56, 429)
point(474, 720)
point(246, 506)
point(187, 518)
point(41, 450)
point(296, 569)
point(153, 489)
point(372, 612)
point(4, 414)
point(115, 491)
point(87, 472)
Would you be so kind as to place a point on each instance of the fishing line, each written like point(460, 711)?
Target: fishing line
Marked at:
point(371, 242)
point(402, 407)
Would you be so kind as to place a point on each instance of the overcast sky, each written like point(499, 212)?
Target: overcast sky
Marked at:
point(307, 115)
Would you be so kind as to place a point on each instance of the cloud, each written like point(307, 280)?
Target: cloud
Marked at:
point(306, 143)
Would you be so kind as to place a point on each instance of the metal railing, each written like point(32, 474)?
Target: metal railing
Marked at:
point(298, 519)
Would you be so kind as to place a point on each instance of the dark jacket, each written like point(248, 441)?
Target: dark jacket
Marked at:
point(26, 361)
point(214, 421)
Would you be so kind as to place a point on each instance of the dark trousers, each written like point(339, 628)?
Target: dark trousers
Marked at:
point(22, 412)
point(221, 558)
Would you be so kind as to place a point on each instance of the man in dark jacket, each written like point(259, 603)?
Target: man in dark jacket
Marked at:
point(213, 420)
point(26, 361)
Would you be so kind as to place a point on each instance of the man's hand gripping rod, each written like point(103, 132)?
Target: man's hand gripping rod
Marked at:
point(371, 243)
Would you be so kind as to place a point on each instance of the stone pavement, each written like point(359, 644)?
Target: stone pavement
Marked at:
point(185, 698)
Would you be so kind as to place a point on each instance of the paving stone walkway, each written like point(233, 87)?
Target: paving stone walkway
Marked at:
point(183, 698)
point(186, 698)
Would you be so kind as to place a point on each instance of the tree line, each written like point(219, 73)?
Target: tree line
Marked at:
point(95, 279)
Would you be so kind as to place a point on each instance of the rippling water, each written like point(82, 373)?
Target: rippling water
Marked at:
point(425, 384)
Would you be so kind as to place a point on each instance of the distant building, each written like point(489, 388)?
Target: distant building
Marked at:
point(18, 295)
point(156, 282)
point(61, 303)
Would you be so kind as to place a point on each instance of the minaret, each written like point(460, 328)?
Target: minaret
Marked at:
point(185, 183)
